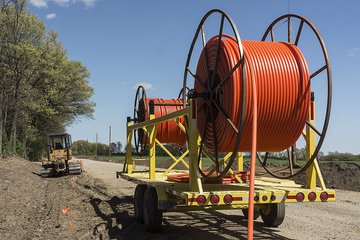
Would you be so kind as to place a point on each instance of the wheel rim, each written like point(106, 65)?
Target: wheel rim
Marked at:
point(139, 134)
point(217, 173)
point(327, 67)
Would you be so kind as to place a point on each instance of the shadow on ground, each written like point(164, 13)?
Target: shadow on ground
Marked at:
point(119, 223)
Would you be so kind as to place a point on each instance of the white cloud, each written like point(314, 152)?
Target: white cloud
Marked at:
point(51, 16)
point(67, 3)
point(89, 3)
point(353, 52)
point(39, 3)
point(63, 3)
point(146, 85)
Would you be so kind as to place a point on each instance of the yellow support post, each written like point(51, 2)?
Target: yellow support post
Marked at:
point(179, 124)
point(240, 161)
point(194, 179)
point(128, 157)
point(310, 148)
point(201, 159)
point(319, 175)
point(152, 143)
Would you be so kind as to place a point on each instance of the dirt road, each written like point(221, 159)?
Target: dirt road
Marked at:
point(337, 220)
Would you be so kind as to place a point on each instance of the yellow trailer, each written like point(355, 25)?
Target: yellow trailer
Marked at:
point(223, 185)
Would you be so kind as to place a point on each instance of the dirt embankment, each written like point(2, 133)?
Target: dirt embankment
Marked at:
point(342, 175)
point(54, 208)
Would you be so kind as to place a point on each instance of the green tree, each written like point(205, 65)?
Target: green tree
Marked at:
point(42, 91)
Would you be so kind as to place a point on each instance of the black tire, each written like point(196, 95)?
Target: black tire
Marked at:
point(246, 213)
point(138, 202)
point(273, 214)
point(151, 213)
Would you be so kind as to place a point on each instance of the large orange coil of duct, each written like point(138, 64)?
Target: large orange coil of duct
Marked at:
point(167, 132)
point(283, 94)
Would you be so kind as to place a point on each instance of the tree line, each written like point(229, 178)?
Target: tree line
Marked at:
point(42, 91)
point(86, 148)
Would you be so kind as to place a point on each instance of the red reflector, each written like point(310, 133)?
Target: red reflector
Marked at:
point(228, 199)
point(291, 197)
point(214, 199)
point(201, 199)
point(324, 196)
point(256, 198)
point(273, 198)
point(300, 197)
point(264, 198)
point(237, 198)
point(312, 196)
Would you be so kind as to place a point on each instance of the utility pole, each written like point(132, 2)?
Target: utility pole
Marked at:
point(96, 143)
point(110, 143)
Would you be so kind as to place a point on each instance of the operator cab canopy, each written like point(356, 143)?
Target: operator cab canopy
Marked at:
point(59, 141)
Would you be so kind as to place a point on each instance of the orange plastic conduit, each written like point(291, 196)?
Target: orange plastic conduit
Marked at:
point(277, 99)
point(167, 132)
point(282, 84)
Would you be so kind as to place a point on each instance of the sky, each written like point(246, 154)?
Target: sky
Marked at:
point(127, 43)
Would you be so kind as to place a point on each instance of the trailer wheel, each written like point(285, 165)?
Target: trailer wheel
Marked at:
point(138, 202)
point(273, 214)
point(151, 213)
point(246, 213)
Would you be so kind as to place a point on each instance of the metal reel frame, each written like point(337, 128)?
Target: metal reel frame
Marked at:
point(322, 133)
point(140, 145)
point(210, 90)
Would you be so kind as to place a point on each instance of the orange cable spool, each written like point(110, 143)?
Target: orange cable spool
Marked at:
point(167, 132)
point(252, 96)
point(229, 75)
point(283, 94)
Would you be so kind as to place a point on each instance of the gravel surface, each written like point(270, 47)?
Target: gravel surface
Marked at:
point(335, 220)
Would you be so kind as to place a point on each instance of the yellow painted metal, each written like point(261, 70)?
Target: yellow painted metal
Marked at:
point(194, 178)
point(161, 119)
point(152, 146)
point(176, 160)
point(283, 190)
point(128, 157)
point(319, 175)
point(310, 148)
point(59, 154)
point(235, 176)
point(181, 158)
point(179, 124)
point(240, 161)
point(201, 155)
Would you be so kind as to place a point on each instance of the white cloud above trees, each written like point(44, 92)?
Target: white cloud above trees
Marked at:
point(50, 16)
point(61, 3)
